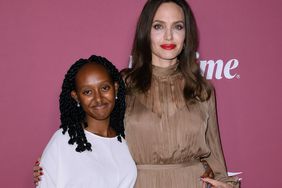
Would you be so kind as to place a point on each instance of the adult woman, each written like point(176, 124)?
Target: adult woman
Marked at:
point(170, 119)
point(93, 153)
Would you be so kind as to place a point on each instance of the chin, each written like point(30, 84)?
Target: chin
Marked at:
point(170, 56)
point(103, 115)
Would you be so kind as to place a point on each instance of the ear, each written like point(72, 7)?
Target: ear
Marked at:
point(116, 88)
point(74, 95)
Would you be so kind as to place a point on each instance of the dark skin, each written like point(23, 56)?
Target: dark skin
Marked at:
point(166, 18)
point(95, 92)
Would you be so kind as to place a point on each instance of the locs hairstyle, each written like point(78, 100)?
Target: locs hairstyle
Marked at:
point(73, 117)
point(139, 77)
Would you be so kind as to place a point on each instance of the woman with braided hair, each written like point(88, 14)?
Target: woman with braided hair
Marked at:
point(170, 120)
point(89, 149)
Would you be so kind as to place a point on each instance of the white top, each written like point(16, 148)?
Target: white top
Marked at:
point(108, 165)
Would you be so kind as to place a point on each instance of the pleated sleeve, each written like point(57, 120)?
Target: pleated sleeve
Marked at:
point(216, 159)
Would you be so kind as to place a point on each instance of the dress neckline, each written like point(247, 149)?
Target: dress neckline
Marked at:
point(100, 137)
point(164, 72)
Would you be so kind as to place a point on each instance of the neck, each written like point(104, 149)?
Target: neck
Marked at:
point(156, 61)
point(101, 128)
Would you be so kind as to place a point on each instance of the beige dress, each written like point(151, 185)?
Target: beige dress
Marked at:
point(166, 137)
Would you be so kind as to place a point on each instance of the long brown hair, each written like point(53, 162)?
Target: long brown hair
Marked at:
point(139, 77)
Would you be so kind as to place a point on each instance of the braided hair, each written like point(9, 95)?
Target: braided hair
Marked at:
point(73, 117)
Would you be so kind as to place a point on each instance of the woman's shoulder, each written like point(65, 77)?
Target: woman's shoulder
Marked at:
point(54, 144)
point(58, 137)
point(58, 133)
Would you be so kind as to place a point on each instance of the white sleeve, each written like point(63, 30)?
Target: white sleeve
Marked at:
point(50, 161)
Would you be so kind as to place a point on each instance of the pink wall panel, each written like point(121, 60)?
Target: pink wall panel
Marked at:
point(39, 40)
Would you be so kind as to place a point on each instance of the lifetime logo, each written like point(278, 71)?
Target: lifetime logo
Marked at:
point(218, 69)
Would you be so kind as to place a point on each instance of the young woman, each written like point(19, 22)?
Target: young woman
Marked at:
point(89, 150)
point(170, 120)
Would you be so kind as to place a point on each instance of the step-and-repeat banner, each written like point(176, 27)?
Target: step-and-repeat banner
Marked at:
point(240, 52)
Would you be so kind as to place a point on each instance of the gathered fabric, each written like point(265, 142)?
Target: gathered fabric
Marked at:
point(164, 132)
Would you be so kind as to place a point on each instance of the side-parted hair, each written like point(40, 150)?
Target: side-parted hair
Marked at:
point(73, 117)
point(138, 78)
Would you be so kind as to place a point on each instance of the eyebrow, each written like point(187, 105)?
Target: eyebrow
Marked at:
point(180, 21)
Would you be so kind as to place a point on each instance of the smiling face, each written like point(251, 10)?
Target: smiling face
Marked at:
point(95, 91)
point(167, 34)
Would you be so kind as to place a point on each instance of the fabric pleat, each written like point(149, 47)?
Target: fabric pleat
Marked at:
point(162, 130)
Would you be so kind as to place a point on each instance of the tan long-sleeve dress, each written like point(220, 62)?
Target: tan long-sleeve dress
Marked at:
point(166, 138)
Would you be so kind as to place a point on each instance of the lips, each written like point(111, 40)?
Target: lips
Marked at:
point(168, 46)
point(100, 106)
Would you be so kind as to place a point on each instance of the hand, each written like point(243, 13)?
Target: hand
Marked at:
point(37, 172)
point(215, 183)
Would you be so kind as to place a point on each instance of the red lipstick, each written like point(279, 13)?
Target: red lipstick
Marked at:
point(168, 46)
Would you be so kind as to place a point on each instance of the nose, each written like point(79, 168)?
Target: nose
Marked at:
point(168, 34)
point(97, 97)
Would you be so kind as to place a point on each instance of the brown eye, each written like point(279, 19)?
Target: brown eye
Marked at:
point(106, 88)
point(87, 92)
point(179, 27)
point(157, 26)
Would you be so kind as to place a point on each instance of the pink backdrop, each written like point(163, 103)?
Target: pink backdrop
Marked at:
point(40, 39)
